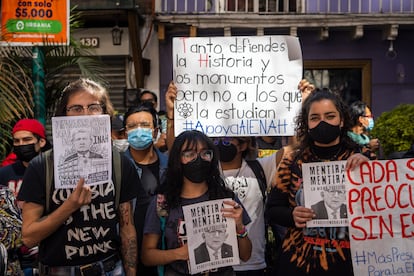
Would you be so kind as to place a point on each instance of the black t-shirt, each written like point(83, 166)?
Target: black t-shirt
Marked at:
point(89, 234)
point(149, 185)
point(12, 176)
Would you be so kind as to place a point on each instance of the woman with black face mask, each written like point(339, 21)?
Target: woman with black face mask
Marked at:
point(322, 136)
point(193, 176)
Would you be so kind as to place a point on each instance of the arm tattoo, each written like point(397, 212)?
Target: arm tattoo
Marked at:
point(124, 214)
point(129, 241)
point(129, 252)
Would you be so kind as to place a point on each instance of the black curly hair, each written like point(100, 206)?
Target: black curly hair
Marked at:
point(302, 127)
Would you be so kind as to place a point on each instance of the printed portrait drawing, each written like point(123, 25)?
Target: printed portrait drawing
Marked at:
point(82, 160)
point(82, 142)
point(332, 205)
point(213, 246)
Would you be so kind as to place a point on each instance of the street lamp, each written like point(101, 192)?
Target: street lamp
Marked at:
point(116, 35)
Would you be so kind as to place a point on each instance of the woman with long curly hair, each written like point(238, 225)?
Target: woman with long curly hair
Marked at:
point(322, 136)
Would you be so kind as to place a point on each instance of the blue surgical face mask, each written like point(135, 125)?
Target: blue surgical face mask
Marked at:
point(370, 124)
point(140, 138)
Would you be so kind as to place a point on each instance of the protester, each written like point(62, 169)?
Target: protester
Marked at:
point(141, 125)
point(362, 123)
point(149, 97)
point(321, 136)
point(236, 155)
point(193, 176)
point(268, 145)
point(29, 139)
point(78, 235)
point(241, 170)
point(118, 135)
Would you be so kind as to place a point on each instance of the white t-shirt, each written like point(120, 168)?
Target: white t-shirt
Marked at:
point(244, 183)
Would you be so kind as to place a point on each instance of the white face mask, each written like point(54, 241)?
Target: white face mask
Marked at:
point(120, 144)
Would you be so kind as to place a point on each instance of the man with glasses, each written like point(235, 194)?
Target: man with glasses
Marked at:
point(85, 230)
point(332, 205)
point(141, 127)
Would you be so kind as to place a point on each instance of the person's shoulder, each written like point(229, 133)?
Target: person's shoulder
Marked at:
point(39, 159)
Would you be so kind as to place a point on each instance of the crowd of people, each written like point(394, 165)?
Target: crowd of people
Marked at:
point(134, 225)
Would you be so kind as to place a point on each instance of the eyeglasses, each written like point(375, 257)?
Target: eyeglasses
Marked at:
point(368, 116)
point(191, 155)
point(134, 125)
point(91, 108)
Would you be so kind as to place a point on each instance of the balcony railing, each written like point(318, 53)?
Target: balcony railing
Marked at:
point(284, 6)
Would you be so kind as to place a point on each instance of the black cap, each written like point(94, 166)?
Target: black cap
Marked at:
point(117, 122)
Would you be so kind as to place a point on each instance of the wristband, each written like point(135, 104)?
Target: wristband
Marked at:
point(242, 233)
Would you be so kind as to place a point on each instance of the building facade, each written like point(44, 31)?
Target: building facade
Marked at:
point(362, 47)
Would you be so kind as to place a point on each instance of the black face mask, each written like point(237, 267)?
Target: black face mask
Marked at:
point(227, 152)
point(25, 152)
point(325, 133)
point(197, 171)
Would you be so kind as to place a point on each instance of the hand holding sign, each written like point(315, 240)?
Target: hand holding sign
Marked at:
point(237, 86)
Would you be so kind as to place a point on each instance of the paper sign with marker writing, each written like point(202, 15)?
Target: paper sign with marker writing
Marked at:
point(237, 86)
point(381, 220)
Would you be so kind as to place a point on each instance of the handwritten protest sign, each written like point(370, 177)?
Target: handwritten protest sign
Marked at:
point(325, 193)
point(81, 148)
point(237, 86)
point(381, 218)
point(211, 238)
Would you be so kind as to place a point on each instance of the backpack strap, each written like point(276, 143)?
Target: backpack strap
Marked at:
point(162, 213)
point(48, 157)
point(117, 172)
point(260, 176)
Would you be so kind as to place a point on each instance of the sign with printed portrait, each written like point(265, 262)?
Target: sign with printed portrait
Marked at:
point(211, 238)
point(81, 148)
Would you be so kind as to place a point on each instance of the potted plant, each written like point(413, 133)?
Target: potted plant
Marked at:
point(395, 130)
